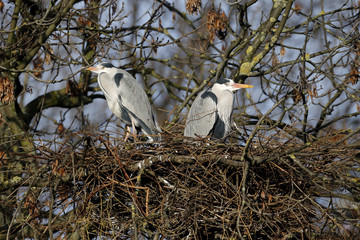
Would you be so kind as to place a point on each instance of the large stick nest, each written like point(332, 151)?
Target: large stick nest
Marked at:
point(196, 190)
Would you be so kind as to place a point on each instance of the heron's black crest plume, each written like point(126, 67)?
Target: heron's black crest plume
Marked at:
point(222, 81)
point(107, 65)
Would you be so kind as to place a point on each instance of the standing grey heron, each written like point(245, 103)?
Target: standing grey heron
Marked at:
point(126, 99)
point(212, 109)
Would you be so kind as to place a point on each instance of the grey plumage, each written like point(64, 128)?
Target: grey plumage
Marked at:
point(211, 111)
point(126, 98)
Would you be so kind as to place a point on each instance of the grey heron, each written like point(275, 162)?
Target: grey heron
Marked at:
point(126, 99)
point(212, 109)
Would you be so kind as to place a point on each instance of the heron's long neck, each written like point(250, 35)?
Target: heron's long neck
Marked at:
point(225, 107)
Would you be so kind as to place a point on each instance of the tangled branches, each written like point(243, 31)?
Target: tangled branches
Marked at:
point(96, 186)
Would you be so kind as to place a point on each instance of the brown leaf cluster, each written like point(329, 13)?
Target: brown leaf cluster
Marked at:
point(354, 75)
point(193, 6)
point(282, 51)
point(2, 5)
point(297, 8)
point(354, 72)
point(83, 22)
point(60, 129)
point(216, 24)
point(6, 90)
point(56, 170)
point(48, 55)
point(296, 95)
point(313, 92)
point(31, 205)
point(274, 60)
point(38, 66)
point(93, 40)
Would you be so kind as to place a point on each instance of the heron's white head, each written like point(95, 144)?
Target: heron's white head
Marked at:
point(102, 67)
point(225, 84)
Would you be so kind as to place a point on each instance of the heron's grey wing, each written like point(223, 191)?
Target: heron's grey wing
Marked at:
point(109, 87)
point(202, 115)
point(133, 97)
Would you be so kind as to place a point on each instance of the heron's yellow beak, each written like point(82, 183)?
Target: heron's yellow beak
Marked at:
point(92, 69)
point(239, 85)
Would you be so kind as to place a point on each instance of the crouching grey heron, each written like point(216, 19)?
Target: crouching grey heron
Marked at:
point(126, 99)
point(211, 110)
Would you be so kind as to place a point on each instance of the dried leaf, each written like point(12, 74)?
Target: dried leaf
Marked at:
point(310, 94)
point(296, 95)
point(82, 21)
point(262, 194)
point(193, 6)
point(47, 59)
point(6, 90)
point(48, 55)
point(30, 202)
point(2, 5)
point(37, 62)
point(38, 66)
point(282, 51)
point(38, 74)
point(210, 25)
point(313, 92)
point(60, 129)
point(222, 28)
point(154, 46)
point(354, 75)
point(61, 172)
point(275, 60)
point(56, 170)
point(297, 8)
point(160, 28)
point(216, 24)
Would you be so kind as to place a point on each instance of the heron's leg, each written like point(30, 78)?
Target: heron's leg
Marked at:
point(128, 132)
point(134, 130)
